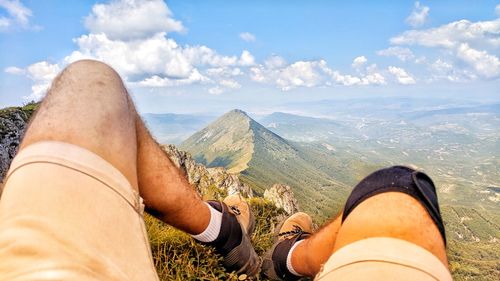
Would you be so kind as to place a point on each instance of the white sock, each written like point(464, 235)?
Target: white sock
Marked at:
point(289, 259)
point(212, 231)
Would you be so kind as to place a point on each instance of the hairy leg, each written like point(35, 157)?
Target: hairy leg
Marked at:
point(165, 189)
point(309, 255)
point(392, 214)
point(88, 106)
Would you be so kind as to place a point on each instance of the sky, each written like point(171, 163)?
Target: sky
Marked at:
point(211, 56)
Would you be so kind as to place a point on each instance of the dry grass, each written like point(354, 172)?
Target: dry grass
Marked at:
point(178, 257)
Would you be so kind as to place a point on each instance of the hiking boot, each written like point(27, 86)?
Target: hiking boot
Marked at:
point(238, 206)
point(295, 228)
point(233, 242)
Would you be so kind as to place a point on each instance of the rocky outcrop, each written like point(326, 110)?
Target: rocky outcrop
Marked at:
point(211, 183)
point(229, 182)
point(13, 122)
point(282, 197)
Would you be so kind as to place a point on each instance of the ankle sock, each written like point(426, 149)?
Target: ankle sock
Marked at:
point(225, 228)
point(214, 226)
point(289, 265)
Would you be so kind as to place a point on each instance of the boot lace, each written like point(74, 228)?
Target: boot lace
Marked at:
point(296, 231)
point(235, 210)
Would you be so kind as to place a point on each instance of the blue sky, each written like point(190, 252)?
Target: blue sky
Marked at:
point(210, 56)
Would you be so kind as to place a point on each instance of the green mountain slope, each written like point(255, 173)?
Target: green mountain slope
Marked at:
point(263, 158)
point(227, 142)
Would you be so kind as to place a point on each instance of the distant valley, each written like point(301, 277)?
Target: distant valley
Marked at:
point(174, 128)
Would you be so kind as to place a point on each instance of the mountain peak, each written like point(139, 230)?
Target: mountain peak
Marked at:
point(227, 142)
point(231, 140)
point(237, 112)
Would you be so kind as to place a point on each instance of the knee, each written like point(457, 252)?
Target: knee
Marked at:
point(88, 76)
point(88, 82)
point(396, 215)
point(87, 66)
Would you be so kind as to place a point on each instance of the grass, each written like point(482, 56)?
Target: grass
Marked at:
point(178, 257)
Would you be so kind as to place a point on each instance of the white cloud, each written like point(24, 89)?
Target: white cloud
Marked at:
point(418, 16)
point(14, 70)
point(247, 37)
point(346, 80)
point(485, 64)
point(312, 74)
point(402, 54)
point(368, 76)
point(224, 85)
point(202, 55)
point(216, 90)
point(497, 10)
point(246, 59)
point(18, 15)
point(231, 84)
point(157, 81)
point(298, 74)
point(257, 74)
point(470, 46)
point(452, 34)
point(42, 73)
point(4, 23)
point(132, 19)
point(446, 70)
point(373, 79)
point(359, 62)
point(145, 57)
point(160, 59)
point(154, 55)
point(275, 62)
point(224, 71)
point(401, 75)
point(349, 80)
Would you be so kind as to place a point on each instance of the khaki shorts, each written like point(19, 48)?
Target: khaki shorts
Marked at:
point(67, 214)
point(382, 258)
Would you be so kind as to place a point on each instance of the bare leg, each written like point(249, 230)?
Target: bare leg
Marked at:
point(391, 214)
point(308, 256)
point(89, 106)
point(165, 190)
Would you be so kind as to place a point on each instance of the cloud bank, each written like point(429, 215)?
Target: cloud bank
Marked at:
point(133, 37)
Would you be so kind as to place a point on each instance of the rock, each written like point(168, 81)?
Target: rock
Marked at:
point(282, 197)
point(211, 183)
point(229, 182)
point(13, 122)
